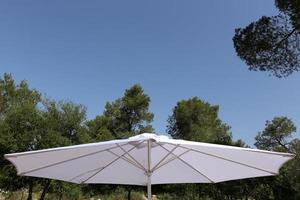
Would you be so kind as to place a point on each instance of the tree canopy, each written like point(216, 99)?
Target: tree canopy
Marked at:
point(129, 115)
point(29, 122)
point(196, 120)
point(278, 136)
point(272, 43)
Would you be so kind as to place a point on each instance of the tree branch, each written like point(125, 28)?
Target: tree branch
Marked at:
point(282, 145)
point(276, 46)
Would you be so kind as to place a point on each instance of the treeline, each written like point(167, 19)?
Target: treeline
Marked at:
point(29, 121)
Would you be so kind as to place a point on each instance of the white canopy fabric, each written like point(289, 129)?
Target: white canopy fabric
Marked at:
point(148, 159)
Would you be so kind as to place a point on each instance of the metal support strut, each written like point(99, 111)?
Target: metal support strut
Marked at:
point(149, 171)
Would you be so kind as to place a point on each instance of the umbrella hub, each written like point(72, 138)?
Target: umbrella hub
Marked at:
point(149, 136)
point(145, 137)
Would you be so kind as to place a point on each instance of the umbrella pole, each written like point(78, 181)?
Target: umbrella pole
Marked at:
point(149, 188)
point(149, 171)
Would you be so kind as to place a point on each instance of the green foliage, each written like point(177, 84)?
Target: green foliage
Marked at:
point(124, 117)
point(99, 129)
point(28, 123)
point(130, 114)
point(16, 95)
point(276, 134)
point(272, 43)
point(240, 143)
point(262, 192)
point(291, 8)
point(120, 194)
point(64, 191)
point(196, 120)
point(64, 121)
point(293, 168)
point(20, 123)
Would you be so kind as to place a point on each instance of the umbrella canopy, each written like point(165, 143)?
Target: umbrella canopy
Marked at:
point(148, 159)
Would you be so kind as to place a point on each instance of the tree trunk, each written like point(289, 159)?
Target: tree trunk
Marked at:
point(194, 191)
point(199, 192)
point(30, 189)
point(22, 195)
point(45, 189)
point(129, 194)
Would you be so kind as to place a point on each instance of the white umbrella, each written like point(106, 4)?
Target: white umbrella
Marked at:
point(148, 159)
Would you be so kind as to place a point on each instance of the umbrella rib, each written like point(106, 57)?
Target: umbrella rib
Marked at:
point(84, 173)
point(171, 159)
point(229, 160)
point(164, 158)
point(189, 165)
point(99, 168)
point(113, 161)
point(71, 159)
point(137, 162)
point(126, 159)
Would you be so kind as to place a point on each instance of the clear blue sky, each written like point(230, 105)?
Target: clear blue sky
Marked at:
point(89, 52)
